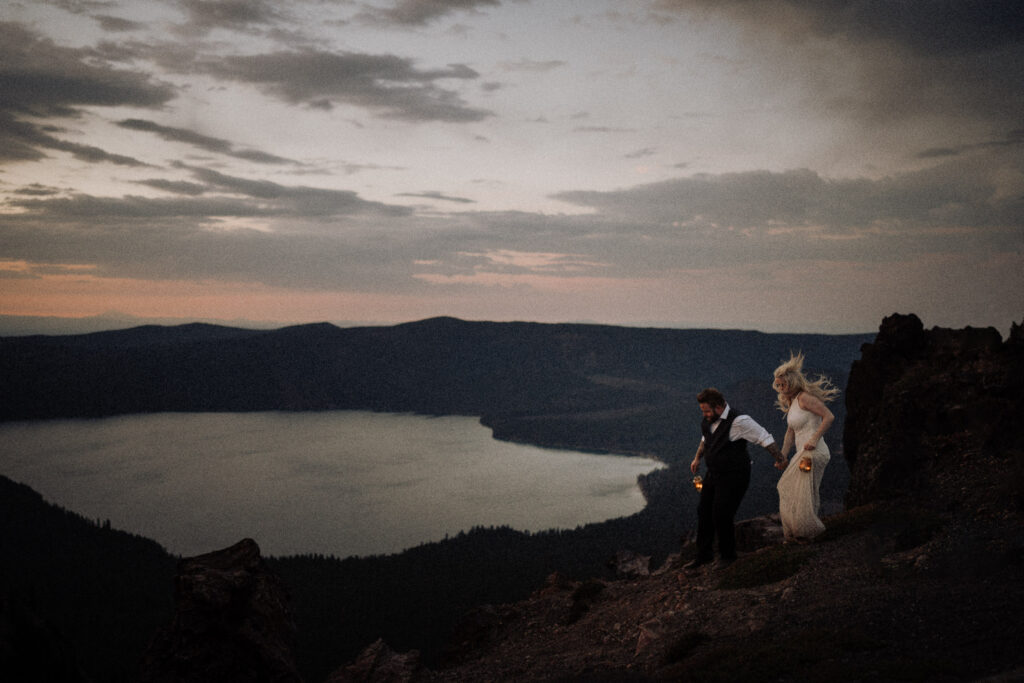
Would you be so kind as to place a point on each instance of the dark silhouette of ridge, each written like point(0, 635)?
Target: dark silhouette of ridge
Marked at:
point(439, 365)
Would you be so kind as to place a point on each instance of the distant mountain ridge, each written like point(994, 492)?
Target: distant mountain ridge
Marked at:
point(500, 371)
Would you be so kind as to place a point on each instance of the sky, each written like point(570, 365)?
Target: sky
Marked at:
point(778, 165)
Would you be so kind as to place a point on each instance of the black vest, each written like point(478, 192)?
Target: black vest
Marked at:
point(720, 454)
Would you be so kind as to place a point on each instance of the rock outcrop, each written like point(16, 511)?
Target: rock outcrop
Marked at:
point(232, 623)
point(380, 664)
point(934, 413)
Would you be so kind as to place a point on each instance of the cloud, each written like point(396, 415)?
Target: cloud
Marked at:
point(41, 78)
point(602, 129)
point(885, 61)
point(205, 142)
point(24, 141)
point(641, 153)
point(386, 83)
point(205, 15)
point(961, 194)
point(217, 229)
point(37, 190)
point(936, 27)
point(437, 195)
point(533, 65)
point(176, 186)
point(241, 197)
point(1013, 138)
point(422, 12)
point(117, 24)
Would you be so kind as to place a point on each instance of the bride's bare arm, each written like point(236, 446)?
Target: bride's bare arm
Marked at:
point(817, 406)
point(787, 442)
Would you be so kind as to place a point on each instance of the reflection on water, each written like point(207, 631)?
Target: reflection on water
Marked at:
point(338, 483)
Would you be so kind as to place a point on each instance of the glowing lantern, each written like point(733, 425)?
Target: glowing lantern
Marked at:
point(698, 482)
point(805, 463)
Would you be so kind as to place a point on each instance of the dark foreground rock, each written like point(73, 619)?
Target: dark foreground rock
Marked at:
point(232, 623)
point(936, 414)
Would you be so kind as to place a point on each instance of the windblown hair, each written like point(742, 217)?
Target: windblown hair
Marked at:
point(793, 371)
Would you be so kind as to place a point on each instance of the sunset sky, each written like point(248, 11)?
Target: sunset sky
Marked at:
point(779, 165)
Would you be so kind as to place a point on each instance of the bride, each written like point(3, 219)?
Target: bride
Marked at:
point(808, 418)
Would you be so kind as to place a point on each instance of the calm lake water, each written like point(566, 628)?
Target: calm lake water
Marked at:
point(339, 483)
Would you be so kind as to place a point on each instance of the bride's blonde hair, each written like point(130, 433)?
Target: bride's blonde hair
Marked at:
point(793, 372)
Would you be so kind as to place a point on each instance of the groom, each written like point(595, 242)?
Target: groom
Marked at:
point(723, 446)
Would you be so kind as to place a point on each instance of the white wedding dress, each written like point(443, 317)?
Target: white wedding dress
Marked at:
point(798, 490)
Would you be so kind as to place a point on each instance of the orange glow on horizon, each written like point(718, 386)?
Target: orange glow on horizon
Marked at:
point(78, 296)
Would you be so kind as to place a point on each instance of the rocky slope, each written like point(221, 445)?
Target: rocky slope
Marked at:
point(920, 579)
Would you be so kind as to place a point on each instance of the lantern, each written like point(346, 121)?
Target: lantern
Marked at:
point(698, 482)
point(805, 463)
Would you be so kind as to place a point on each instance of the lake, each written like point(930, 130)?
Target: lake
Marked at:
point(337, 483)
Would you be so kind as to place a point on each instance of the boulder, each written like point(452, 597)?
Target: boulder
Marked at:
point(232, 623)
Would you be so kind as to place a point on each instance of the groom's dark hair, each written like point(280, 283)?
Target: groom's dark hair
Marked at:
point(713, 397)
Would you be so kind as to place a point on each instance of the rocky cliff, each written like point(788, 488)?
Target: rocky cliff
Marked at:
point(936, 414)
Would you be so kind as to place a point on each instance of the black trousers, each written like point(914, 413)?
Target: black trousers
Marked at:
point(720, 498)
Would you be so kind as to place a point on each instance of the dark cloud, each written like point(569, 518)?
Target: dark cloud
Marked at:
point(240, 197)
point(85, 207)
point(915, 59)
point(421, 12)
point(88, 153)
point(19, 140)
point(202, 141)
point(437, 195)
point(927, 26)
point(936, 27)
point(117, 24)
point(37, 190)
point(176, 186)
point(533, 66)
point(387, 83)
point(229, 14)
point(24, 141)
point(960, 194)
point(41, 78)
point(1012, 139)
point(641, 153)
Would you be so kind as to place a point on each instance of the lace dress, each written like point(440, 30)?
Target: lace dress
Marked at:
point(798, 490)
